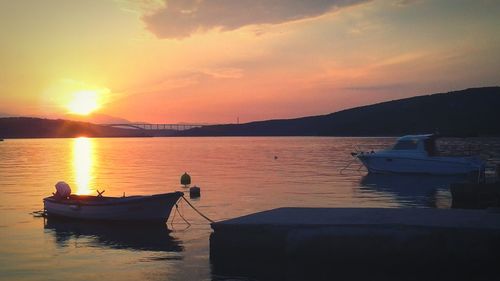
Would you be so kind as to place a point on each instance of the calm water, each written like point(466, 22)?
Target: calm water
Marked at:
point(237, 176)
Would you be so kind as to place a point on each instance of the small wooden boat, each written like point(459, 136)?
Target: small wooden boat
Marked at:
point(149, 208)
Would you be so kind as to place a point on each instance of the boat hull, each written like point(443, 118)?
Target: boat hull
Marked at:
point(154, 208)
point(425, 165)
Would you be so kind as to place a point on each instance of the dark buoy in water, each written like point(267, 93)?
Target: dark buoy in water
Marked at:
point(194, 192)
point(186, 179)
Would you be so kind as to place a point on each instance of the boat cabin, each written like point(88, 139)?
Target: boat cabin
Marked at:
point(418, 143)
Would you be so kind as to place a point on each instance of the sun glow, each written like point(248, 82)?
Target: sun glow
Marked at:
point(84, 102)
point(83, 164)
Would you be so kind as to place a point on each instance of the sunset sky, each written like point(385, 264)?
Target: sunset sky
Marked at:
point(212, 61)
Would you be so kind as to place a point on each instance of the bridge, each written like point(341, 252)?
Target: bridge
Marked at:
point(156, 127)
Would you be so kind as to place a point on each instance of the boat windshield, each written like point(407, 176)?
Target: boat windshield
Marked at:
point(406, 145)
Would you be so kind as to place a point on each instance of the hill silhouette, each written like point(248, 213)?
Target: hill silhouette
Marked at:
point(474, 111)
point(27, 127)
point(470, 112)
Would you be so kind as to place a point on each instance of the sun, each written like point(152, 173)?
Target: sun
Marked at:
point(84, 102)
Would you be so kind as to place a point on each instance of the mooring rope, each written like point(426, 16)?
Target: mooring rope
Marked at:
point(39, 214)
point(173, 217)
point(180, 215)
point(191, 205)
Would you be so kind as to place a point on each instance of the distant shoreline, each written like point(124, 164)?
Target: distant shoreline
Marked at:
point(476, 138)
point(471, 113)
point(139, 137)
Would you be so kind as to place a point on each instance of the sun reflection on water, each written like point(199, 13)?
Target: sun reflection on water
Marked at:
point(83, 164)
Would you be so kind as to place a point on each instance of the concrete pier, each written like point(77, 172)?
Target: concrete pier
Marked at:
point(298, 243)
point(475, 195)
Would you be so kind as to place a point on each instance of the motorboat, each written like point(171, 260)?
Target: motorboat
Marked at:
point(144, 208)
point(418, 154)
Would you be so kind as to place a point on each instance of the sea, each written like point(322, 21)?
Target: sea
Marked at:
point(236, 175)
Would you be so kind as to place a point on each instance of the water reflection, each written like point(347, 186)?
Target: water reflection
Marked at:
point(83, 164)
point(412, 190)
point(143, 237)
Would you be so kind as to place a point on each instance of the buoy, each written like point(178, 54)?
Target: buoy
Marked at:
point(194, 192)
point(186, 179)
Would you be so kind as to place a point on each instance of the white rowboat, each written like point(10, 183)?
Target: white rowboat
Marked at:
point(149, 208)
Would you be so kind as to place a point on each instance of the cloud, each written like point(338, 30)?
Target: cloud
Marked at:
point(186, 79)
point(181, 18)
point(140, 6)
point(223, 73)
point(404, 3)
point(377, 88)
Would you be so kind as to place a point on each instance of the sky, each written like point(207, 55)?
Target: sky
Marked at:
point(202, 61)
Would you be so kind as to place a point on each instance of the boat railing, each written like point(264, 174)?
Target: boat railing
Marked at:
point(354, 164)
point(364, 148)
